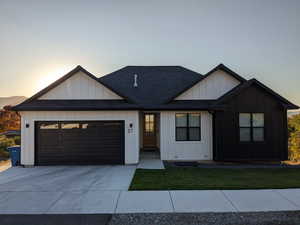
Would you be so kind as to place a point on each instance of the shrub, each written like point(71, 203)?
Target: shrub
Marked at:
point(6, 142)
point(17, 140)
point(294, 137)
point(4, 154)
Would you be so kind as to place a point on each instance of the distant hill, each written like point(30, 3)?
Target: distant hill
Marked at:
point(13, 100)
point(293, 112)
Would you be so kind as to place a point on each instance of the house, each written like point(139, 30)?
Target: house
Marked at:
point(171, 110)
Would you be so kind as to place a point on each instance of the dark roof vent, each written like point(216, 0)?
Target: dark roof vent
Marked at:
point(135, 81)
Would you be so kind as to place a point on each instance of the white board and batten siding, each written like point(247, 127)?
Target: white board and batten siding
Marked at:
point(185, 150)
point(212, 87)
point(80, 86)
point(29, 117)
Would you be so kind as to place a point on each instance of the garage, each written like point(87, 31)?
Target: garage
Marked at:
point(79, 142)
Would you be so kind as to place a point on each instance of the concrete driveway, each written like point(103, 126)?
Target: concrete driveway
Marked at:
point(67, 178)
point(63, 189)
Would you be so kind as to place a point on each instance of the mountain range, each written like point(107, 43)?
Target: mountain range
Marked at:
point(12, 100)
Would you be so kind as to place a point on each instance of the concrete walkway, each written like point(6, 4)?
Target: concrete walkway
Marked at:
point(150, 160)
point(145, 163)
point(105, 201)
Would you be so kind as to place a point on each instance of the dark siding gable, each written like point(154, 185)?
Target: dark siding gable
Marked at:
point(251, 99)
point(253, 82)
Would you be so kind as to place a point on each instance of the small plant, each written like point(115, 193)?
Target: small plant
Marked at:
point(4, 154)
point(17, 140)
point(6, 142)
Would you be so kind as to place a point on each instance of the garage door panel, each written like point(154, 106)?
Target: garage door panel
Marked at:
point(80, 142)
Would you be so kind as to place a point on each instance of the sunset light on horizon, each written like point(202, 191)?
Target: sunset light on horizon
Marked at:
point(41, 41)
point(50, 76)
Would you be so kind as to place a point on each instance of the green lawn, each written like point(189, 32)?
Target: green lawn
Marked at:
point(201, 179)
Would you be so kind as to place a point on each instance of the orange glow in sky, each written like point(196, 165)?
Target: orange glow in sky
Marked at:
point(47, 78)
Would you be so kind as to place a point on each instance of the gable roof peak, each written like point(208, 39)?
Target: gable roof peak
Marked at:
point(238, 89)
point(79, 67)
point(65, 77)
point(226, 69)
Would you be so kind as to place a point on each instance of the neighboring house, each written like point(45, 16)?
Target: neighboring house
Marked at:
point(180, 114)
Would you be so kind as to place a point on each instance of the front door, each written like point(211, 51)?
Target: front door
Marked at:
point(149, 131)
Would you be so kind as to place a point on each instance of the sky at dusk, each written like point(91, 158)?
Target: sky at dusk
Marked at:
point(42, 40)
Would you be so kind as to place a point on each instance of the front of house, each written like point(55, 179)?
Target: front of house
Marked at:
point(179, 114)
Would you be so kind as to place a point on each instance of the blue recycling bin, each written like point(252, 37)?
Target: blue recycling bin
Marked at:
point(15, 156)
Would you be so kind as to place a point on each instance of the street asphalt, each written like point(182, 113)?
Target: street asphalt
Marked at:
point(258, 218)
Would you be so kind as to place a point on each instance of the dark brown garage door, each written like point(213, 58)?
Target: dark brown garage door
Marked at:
point(79, 143)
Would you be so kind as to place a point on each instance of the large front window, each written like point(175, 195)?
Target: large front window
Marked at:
point(251, 127)
point(188, 127)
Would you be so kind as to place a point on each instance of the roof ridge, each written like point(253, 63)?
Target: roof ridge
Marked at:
point(154, 66)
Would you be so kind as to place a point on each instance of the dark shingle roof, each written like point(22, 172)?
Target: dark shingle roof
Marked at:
point(186, 105)
point(156, 84)
point(42, 105)
point(83, 105)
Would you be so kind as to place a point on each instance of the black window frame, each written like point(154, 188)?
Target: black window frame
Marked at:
point(251, 127)
point(187, 127)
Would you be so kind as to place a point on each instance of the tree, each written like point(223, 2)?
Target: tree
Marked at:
point(9, 120)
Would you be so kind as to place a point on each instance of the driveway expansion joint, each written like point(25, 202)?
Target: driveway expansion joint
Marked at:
point(293, 203)
point(229, 200)
point(171, 199)
point(115, 210)
point(53, 204)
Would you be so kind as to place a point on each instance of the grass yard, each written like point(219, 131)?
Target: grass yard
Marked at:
point(174, 178)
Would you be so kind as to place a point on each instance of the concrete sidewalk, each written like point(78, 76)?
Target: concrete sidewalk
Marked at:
point(103, 202)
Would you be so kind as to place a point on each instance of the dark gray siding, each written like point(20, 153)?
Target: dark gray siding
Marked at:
point(226, 128)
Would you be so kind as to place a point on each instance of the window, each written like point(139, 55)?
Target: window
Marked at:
point(251, 127)
point(188, 127)
point(49, 125)
point(70, 125)
point(85, 126)
point(149, 123)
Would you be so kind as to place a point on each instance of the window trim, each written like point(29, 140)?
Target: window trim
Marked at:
point(187, 127)
point(251, 127)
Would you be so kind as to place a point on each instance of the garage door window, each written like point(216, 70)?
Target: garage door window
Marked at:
point(70, 125)
point(46, 126)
